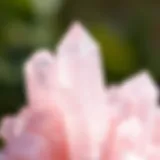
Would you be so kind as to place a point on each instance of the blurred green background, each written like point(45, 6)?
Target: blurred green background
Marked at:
point(128, 31)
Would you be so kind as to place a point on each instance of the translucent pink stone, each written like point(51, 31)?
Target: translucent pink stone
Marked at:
point(39, 74)
point(136, 101)
point(71, 115)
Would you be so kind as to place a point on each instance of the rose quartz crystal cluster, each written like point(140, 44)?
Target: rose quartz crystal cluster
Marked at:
point(71, 115)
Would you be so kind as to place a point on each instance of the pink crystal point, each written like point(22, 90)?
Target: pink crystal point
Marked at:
point(136, 101)
point(79, 67)
point(49, 121)
point(39, 71)
point(144, 86)
point(77, 47)
point(77, 38)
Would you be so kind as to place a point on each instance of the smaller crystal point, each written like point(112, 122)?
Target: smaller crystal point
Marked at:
point(39, 56)
point(142, 85)
point(39, 70)
point(39, 60)
point(77, 37)
point(39, 66)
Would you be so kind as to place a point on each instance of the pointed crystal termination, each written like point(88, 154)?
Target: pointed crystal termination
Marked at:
point(79, 62)
point(79, 67)
point(144, 96)
point(143, 86)
point(77, 38)
point(39, 70)
point(78, 52)
point(77, 46)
